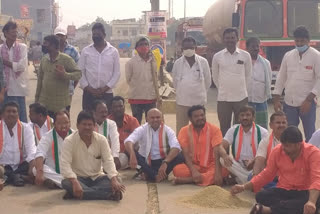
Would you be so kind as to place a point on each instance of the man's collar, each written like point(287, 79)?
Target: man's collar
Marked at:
point(237, 50)
point(47, 56)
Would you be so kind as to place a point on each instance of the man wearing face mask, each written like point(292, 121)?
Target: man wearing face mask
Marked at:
point(100, 67)
point(299, 75)
point(141, 94)
point(191, 79)
point(49, 149)
point(56, 70)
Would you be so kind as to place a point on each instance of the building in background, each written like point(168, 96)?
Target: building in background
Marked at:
point(37, 18)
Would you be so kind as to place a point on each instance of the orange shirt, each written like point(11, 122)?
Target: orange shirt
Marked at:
point(302, 174)
point(200, 146)
point(129, 125)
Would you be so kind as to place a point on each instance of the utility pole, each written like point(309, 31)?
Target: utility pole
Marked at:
point(169, 8)
point(185, 10)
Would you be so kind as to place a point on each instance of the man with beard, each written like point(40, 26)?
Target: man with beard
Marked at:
point(56, 71)
point(139, 69)
point(126, 125)
point(100, 67)
point(298, 165)
point(84, 152)
point(231, 73)
point(278, 123)
point(259, 90)
point(48, 155)
point(159, 149)
point(17, 147)
point(200, 144)
point(244, 140)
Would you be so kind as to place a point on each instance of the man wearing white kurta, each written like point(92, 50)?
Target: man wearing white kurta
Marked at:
point(17, 146)
point(191, 79)
point(49, 149)
point(107, 128)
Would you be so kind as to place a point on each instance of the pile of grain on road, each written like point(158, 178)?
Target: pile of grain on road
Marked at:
point(215, 197)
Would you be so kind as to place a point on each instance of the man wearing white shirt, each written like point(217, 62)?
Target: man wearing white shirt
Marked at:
point(17, 147)
point(159, 149)
point(47, 158)
point(299, 75)
point(259, 90)
point(107, 128)
point(315, 139)
point(191, 79)
point(278, 123)
point(15, 59)
point(100, 67)
point(244, 140)
point(231, 73)
point(40, 123)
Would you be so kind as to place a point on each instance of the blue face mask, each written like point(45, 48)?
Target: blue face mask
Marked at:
point(302, 48)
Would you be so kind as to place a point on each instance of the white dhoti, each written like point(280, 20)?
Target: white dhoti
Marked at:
point(124, 160)
point(238, 171)
point(50, 174)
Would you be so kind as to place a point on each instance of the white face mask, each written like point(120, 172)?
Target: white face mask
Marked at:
point(189, 52)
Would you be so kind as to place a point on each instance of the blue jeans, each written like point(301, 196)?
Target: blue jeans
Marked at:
point(308, 119)
point(21, 101)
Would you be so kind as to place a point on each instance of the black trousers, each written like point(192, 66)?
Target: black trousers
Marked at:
point(88, 100)
point(283, 201)
point(152, 171)
point(139, 109)
point(22, 169)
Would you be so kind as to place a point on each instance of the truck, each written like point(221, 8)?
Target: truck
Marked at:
point(192, 27)
point(272, 21)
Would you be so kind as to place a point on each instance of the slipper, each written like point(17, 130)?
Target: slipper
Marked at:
point(17, 180)
point(256, 209)
point(117, 196)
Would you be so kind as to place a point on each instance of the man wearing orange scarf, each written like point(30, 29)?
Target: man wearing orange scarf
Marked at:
point(199, 142)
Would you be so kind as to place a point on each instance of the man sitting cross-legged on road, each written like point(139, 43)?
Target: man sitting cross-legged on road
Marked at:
point(17, 148)
point(83, 154)
point(47, 159)
point(298, 166)
point(244, 140)
point(200, 142)
point(159, 148)
point(107, 128)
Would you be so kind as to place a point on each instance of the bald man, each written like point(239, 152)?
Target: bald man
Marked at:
point(159, 149)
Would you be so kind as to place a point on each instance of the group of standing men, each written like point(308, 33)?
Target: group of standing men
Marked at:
point(199, 155)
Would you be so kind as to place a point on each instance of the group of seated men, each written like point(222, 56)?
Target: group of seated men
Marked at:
point(85, 162)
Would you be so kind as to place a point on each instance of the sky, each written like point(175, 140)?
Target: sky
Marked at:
point(79, 12)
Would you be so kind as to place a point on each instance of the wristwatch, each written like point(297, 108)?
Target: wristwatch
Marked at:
point(164, 161)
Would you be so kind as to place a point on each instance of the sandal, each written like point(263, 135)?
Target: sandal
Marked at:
point(117, 196)
point(256, 209)
point(17, 180)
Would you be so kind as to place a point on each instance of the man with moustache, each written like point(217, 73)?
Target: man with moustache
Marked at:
point(231, 73)
point(298, 165)
point(191, 79)
point(100, 67)
point(200, 143)
point(244, 139)
point(48, 155)
point(278, 123)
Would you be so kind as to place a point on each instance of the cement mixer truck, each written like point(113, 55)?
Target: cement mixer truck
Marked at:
point(273, 21)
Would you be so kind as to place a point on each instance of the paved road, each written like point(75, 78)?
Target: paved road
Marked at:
point(33, 199)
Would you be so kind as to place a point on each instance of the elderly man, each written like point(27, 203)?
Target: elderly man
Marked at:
point(259, 88)
point(15, 60)
point(159, 149)
point(231, 73)
point(48, 155)
point(140, 72)
point(191, 79)
point(70, 50)
point(299, 75)
point(244, 139)
point(41, 123)
point(56, 71)
point(17, 147)
point(100, 67)
point(298, 165)
point(200, 142)
point(126, 125)
point(83, 154)
point(107, 128)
